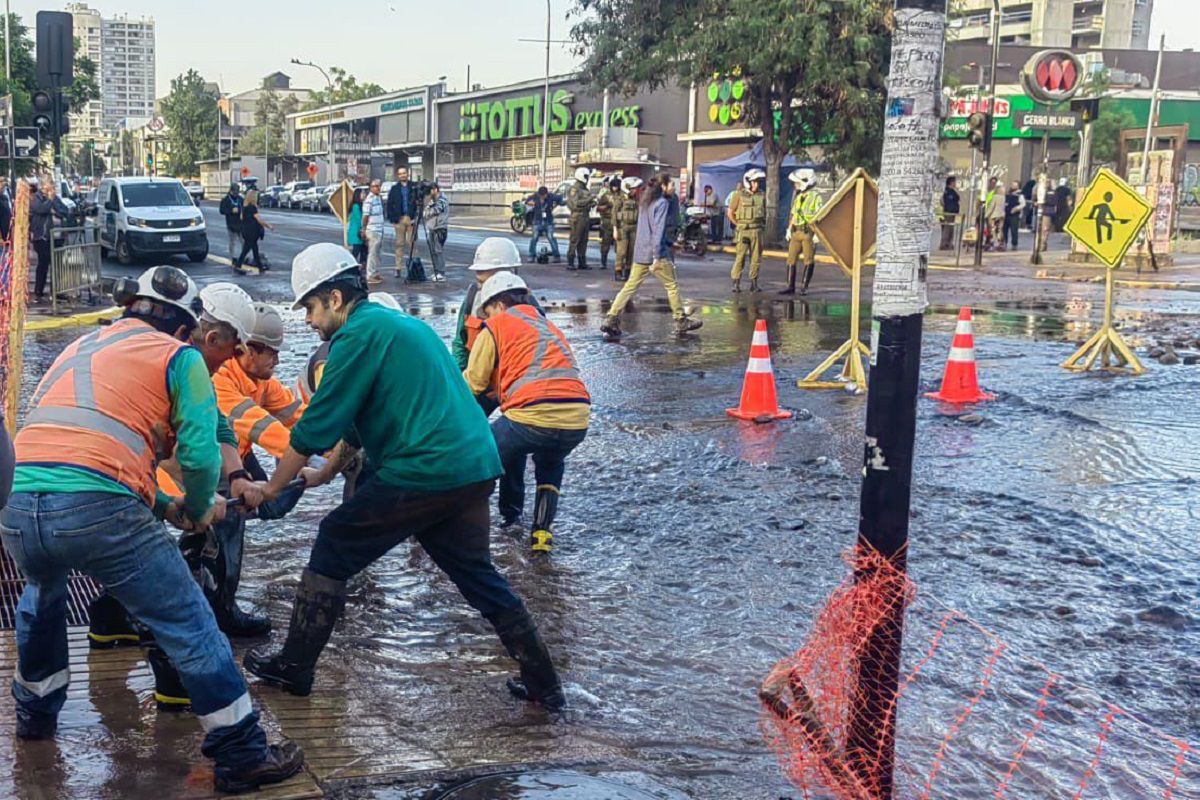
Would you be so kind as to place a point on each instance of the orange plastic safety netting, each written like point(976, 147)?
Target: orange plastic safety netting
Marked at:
point(973, 719)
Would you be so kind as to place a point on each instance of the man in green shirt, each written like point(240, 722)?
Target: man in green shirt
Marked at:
point(390, 387)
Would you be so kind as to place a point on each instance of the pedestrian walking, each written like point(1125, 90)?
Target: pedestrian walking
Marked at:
point(354, 228)
point(46, 212)
point(1014, 209)
point(253, 229)
point(652, 255)
point(1030, 207)
point(950, 211)
point(402, 212)
point(85, 499)
point(372, 225)
point(1047, 211)
point(542, 205)
point(544, 404)
point(231, 210)
point(806, 202)
point(1064, 204)
point(436, 466)
point(748, 211)
point(437, 229)
point(625, 221)
point(579, 201)
point(712, 210)
point(610, 195)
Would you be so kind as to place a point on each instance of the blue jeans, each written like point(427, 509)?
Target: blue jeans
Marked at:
point(541, 229)
point(516, 443)
point(117, 541)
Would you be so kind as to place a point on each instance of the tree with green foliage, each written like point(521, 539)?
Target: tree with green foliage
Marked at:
point(813, 70)
point(1106, 133)
point(83, 159)
point(346, 89)
point(85, 87)
point(190, 111)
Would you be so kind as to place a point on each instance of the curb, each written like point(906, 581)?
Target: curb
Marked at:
point(1128, 283)
point(83, 318)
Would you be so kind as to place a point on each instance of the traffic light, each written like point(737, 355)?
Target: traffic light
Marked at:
point(979, 131)
point(43, 111)
point(149, 161)
point(1087, 109)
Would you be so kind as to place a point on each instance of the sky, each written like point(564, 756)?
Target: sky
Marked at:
point(395, 43)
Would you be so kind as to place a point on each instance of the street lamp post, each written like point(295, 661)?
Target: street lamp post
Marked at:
point(329, 110)
point(546, 98)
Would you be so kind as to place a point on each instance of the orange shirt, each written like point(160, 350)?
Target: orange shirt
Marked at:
point(261, 412)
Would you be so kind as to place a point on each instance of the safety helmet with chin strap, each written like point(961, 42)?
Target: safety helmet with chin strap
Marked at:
point(751, 176)
point(632, 184)
point(804, 178)
point(168, 286)
point(583, 174)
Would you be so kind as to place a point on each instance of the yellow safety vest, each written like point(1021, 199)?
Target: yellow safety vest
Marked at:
point(804, 208)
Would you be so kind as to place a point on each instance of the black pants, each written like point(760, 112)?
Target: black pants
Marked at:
point(42, 247)
point(360, 252)
point(452, 526)
point(249, 243)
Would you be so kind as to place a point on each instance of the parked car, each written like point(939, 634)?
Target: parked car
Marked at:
point(150, 216)
point(300, 198)
point(195, 189)
point(287, 198)
point(562, 214)
point(312, 198)
point(321, 198)
point(269, 197)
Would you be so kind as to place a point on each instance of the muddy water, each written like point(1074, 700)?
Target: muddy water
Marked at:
point(691, 552)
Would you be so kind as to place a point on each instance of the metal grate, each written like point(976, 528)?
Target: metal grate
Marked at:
point(81, 591)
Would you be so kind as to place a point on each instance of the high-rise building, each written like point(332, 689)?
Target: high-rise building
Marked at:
point(123, 51)
point(1077, 24)
point(89, 123)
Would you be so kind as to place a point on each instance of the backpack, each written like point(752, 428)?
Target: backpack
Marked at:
point(416, 271)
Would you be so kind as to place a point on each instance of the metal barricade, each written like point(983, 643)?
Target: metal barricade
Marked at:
point(74, 264)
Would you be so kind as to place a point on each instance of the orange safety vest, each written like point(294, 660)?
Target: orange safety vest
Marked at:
point(536, 364)
point(473, 326)
point(103, 406)
point(260, 412)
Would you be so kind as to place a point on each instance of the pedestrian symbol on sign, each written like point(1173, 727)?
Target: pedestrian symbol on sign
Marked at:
point(1102, 213)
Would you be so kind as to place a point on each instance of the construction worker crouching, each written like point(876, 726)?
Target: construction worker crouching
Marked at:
point(806, 202)
point(114, 403)
point(580, 201)
point(625, 224)
point(390, 387)
point(748, 211)
point(544, 403)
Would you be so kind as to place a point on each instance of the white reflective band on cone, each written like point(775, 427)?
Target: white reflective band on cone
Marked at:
point(231, 714)
point(963, 326)
point(760, 337)
point(46, 685)
point(759, 365)
point(962, 354)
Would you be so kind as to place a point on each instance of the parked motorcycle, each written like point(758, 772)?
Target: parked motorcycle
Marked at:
point(693, 235)
point(519, 221)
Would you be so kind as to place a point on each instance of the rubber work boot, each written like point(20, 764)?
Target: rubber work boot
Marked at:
point(611, 327)
point(109, 624)
point(224, 575)
point(545, 508)
point(539, 681)
point(791, 280)
point(571, 264)
point(583, 264)
point(808, 273)
point(319, 604)
point(737, 286)
point(32, 726)
point(282, 761)
point(754, 285)
point(685, 324)
point(169, 693)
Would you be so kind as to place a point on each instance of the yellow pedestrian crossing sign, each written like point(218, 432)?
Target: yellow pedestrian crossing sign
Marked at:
point(1108, 217)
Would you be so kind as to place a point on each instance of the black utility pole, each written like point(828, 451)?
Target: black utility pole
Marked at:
point(987, 147)
point(907, 181)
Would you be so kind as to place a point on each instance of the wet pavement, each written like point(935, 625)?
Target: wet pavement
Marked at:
point(692, 551)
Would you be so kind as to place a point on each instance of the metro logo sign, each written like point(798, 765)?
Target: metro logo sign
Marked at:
point(965, 107)
point(1052, 76)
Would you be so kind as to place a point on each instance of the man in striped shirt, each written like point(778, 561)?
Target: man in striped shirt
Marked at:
point(372, 225)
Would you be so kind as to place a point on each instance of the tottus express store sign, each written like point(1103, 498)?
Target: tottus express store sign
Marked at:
point(497, 119)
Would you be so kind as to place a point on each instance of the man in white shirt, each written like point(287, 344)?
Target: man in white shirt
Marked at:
point(372, 226)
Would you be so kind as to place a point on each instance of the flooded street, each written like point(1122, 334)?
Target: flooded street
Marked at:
point(691, 553)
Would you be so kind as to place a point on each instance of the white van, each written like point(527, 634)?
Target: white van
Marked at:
point(149, 217)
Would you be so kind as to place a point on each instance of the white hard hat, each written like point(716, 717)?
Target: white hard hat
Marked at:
point(268, 327)
point(753, 175)
point(632, 183)
point(172, 286)
point(498, 284)
point(385, 299)
point(227, 302)
point(317, 264)
point(496, 252)
point(583, 174)
point(803, 177)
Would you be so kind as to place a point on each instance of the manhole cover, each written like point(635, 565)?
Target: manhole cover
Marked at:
point(547, 785)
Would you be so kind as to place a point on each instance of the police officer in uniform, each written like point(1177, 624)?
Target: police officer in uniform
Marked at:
point(580, 202)
point(748, 211)
point(610, 194)
point(625, 221)
point(806, 202)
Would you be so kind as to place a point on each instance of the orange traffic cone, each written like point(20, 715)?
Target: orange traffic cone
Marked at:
point(759, 402)
point(960, 384)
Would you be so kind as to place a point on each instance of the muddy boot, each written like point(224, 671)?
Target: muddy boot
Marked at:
point(545, 508)
point(225, 570)
point(737, 286)
point(754, 285)
point(169, 694)
point(611, 327)
point(791, 280)
point(33, 727)
point(282, 761)
point(318, 606)
point(109, 624)
point(539, 681)
point(808, 273)
point(685, 324)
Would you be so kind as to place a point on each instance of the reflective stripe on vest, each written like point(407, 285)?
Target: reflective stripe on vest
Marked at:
point(804, 208)
point(548, 374)
point(114, 415)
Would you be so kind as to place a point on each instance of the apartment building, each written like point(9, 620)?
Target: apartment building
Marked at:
point(88, 26)
point(126, 69)
point(1077, 24)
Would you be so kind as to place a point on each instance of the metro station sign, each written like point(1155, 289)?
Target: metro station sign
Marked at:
point(1052, 76)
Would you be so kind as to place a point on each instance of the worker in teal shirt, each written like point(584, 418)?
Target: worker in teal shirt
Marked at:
point(391, 387)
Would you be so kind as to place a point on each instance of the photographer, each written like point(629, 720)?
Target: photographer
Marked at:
point(437, 228)
point(402, 204)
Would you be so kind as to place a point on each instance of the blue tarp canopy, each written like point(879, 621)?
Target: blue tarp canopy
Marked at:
point(724, 176)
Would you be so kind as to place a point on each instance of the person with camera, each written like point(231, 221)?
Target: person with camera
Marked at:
point(542, 205)
point(437, 228)
point(46, 212)
point(402, 205)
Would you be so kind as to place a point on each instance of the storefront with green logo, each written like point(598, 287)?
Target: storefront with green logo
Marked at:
point(489, 143)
